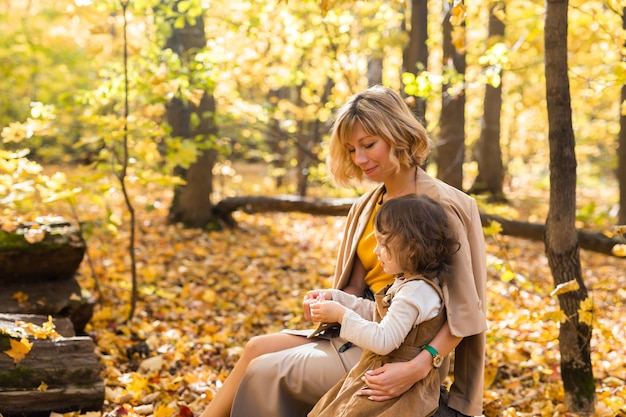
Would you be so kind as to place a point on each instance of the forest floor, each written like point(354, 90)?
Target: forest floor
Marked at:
point(204, 294)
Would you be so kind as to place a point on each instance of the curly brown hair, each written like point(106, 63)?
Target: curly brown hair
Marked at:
point(418, 233)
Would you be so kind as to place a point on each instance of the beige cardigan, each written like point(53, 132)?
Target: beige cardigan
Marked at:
point(464, 293)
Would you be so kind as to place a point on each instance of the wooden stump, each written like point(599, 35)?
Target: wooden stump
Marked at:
point(38, 263)
point(60, 375)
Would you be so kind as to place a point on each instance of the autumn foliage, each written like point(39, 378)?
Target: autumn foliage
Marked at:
point(203, 294)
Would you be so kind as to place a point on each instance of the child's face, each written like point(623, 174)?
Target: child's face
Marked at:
point(387, 260)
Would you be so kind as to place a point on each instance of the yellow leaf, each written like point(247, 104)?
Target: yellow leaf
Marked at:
point(507, 276)
point(557, 316)
point(42, 387)
point(457, 15)
point(20, 297)
point(619, 250)
point(586, 311)
point(620, 229)
point(565, 287)
point(494, 228)
point(164, 411)
point(19, 349)
point(209, 296)
point(45, 331)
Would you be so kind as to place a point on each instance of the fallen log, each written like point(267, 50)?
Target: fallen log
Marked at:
point(60, 374)
point(56, 298)
point(38, 263)
point(53, 254)
point(588, 240)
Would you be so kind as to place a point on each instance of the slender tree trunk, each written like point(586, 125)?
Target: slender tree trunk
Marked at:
point(621, 151)
point(302, 155)
point(451, 146)
point(561, 239)
point(309, 137)
point(276, 136)
point(415, 54)
point(374, 71)
point(621, 165)
point(488, 153)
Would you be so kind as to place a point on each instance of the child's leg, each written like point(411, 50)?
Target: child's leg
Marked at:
point(221, 404)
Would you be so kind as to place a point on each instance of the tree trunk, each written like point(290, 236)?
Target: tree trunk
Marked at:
point(621, 151)
point(374, 71)
point(276, 136)
point(191, 204)
point(451, 146)
point(302, 152)
point(415, 54)
point(489, 154)
point(561, 238)
point(621, 161)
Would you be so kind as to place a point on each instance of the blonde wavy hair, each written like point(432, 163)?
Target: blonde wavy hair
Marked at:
point(381, 112)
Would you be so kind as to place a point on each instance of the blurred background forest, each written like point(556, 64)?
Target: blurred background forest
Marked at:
point(147, 114)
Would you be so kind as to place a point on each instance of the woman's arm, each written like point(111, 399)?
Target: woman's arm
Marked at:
point(394, 379)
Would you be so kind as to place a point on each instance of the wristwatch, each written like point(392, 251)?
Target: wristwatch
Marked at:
point(437, 358)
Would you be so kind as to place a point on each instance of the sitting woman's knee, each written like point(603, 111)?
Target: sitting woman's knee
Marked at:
point(257, 346)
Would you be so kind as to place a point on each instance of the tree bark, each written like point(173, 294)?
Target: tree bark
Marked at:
point(621, 150)
point(415, 54)
point(276, 137)
point(488, 154)
point(374, 71)
point(621, 161)
point(561, 237)
point(191, 204)
point(451, 147)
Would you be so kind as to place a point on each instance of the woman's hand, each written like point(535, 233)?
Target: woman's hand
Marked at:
point(394, 379)
point(323, 311)
point(314, 296)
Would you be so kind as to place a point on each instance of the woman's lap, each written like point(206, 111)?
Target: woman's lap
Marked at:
point(289, 382)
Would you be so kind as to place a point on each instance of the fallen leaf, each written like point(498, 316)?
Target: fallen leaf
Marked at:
point(19, 349)
point(565, 287)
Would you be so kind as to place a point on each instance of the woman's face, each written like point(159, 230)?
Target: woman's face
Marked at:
point(370, 153)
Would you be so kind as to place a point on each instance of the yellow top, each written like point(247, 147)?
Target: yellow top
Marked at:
point(376, 278)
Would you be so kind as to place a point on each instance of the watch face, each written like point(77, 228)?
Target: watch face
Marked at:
point(437, 360)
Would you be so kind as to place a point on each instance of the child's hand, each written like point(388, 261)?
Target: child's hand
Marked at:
point(312, 297)
point(327, 311)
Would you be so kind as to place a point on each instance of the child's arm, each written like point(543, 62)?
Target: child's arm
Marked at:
point(413, 303)
point(327, 311)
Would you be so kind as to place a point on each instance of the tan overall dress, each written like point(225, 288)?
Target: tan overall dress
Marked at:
point(421, 400)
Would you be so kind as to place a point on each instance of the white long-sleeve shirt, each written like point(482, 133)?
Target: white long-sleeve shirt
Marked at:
point(413, 302)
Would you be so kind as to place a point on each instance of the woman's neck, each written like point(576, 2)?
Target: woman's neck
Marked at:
point(401, 184)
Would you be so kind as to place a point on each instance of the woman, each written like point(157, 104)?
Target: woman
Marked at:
point(374, 135)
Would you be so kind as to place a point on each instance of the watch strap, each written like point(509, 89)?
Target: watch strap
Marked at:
point(431, 350)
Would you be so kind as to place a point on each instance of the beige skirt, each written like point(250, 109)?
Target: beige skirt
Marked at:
point(289, 383)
